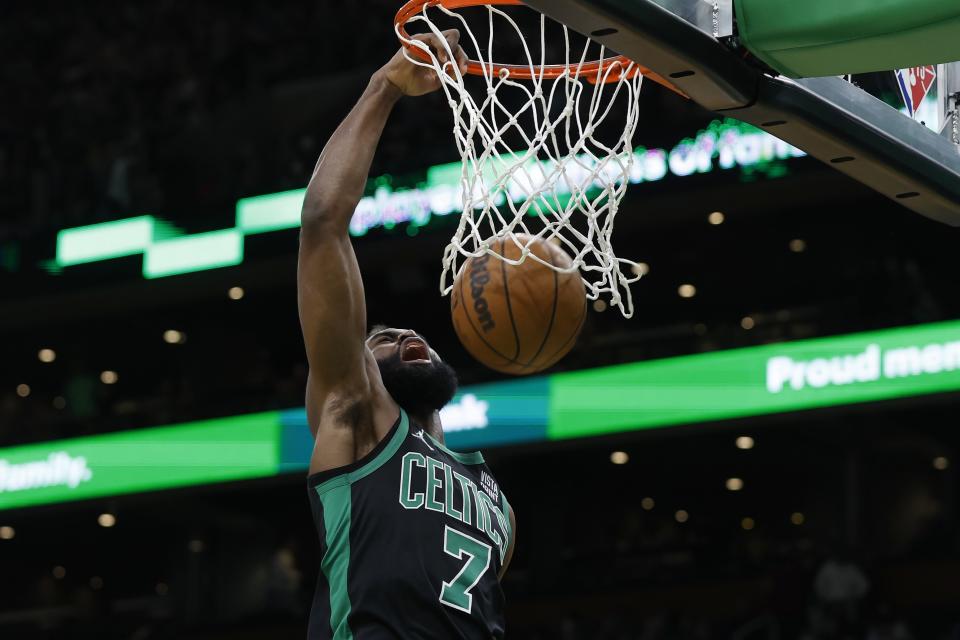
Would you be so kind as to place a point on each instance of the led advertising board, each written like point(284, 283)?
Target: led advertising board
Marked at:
point(168, 251)
point(194, 453)
point(777, 378)
point(769, 379)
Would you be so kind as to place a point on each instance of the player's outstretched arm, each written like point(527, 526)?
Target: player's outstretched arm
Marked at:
point(330, 291)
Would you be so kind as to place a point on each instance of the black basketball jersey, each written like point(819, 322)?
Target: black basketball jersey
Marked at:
point(413, 536)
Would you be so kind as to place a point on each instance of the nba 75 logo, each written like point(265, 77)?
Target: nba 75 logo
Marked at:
point(915, 83)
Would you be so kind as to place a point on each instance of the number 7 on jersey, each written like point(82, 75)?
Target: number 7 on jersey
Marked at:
point(456, 593)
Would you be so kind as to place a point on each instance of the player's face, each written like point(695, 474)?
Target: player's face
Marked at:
point(412, 372)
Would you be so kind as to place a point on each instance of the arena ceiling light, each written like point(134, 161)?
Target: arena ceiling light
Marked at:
point(7, 533)
point(716, 218)
point(106, 520)
point(46, 355)
point(744, 442)
point(23, 390)
point(172, 336)
point(619, 457)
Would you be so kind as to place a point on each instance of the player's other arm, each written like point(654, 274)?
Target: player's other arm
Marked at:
point(343, 376)
point(513, 541)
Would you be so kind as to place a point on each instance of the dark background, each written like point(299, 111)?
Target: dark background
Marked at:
point(113, 109)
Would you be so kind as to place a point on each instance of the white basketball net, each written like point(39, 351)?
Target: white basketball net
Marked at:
point(565, 186)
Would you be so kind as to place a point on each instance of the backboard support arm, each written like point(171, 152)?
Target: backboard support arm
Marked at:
point(828, 118)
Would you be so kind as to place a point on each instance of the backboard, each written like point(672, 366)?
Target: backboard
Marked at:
point(914, 160)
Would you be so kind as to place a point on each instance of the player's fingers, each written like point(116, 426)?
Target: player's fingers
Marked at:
point(431, 79)
point(438, 45)
point(461, 57)
point(453, 37)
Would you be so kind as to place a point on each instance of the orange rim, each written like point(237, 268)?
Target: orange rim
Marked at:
point(589, 70)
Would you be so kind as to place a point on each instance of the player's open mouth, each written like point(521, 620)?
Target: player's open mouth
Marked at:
point(414, 350)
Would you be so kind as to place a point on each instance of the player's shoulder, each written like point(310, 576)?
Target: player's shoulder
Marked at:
point(348, 401)
point(359, 415)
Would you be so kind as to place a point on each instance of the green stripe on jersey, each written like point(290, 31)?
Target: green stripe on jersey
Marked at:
point(357, 474)
point(472, 457)
point(336, 561)
point(336, 497)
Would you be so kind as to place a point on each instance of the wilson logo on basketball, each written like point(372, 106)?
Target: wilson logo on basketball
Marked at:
point(479, 277)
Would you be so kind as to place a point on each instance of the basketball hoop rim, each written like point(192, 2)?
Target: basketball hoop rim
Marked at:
point(588, 70)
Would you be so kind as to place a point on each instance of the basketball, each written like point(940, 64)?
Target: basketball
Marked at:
point(518, 319)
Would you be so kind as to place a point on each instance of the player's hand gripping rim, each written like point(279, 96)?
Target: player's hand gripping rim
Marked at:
point(415, 80)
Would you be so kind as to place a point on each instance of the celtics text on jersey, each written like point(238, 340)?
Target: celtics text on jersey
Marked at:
point(413, 537)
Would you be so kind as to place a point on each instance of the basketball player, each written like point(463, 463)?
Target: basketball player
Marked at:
point(414, 536)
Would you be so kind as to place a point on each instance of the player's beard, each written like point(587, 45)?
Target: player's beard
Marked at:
point(419, 389)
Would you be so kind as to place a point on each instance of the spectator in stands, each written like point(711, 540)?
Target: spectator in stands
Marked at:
point(886, 625)
point(840, 586)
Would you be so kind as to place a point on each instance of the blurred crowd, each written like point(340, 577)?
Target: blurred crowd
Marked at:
point(200, 383)
point(104, 105)
point(834, 601)
point(94, 92)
